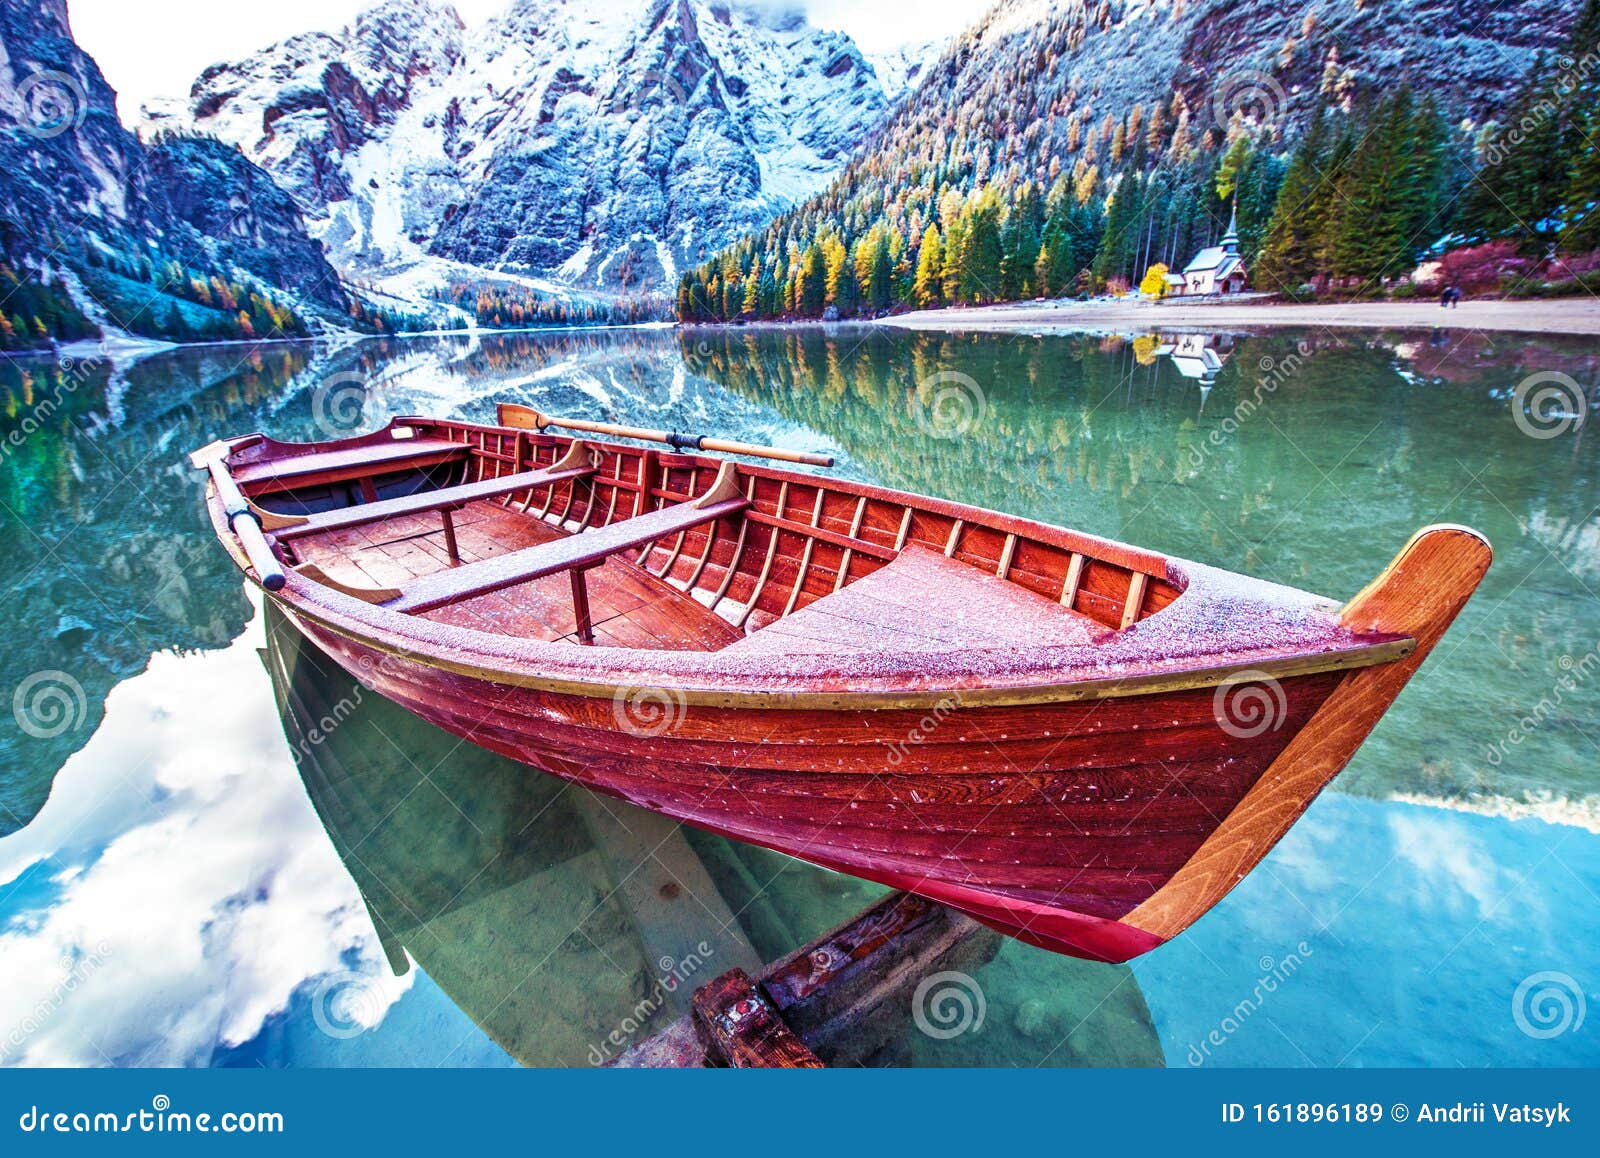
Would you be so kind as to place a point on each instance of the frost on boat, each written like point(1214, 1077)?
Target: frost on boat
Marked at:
point(1083, 743)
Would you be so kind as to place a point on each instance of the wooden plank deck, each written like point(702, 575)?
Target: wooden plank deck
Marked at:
point(630, 608)
point(922, 601)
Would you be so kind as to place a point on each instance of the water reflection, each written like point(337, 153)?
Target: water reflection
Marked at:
point(179, 900)
point(569, 926)
point(1316, 456)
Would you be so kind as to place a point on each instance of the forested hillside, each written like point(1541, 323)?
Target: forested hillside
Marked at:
point(1069, 147)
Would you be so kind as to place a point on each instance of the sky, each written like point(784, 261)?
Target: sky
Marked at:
point(157, 48)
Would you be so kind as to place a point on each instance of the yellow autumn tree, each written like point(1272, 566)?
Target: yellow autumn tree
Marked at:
point(1154, 284)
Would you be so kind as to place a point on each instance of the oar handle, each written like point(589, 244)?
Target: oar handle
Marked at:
point(529, 418)
point(246, 527)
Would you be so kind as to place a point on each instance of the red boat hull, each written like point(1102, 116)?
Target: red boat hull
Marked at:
point(1020, 721)
point(1048, 822)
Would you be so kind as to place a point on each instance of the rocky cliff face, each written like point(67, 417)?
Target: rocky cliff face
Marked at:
point(70, 171)
point(1266, 61)
point(607, 144)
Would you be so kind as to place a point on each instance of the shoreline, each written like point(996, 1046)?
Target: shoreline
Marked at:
point(1566, 316)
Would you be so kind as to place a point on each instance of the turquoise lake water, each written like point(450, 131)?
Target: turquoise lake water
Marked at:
point(186, 879)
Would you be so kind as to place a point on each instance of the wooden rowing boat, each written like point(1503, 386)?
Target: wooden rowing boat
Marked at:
point(1082, 743)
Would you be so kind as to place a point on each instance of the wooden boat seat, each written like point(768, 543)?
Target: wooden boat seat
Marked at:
point(575, 464)
point(575, 553)
point(922, 601)
point(353, 462)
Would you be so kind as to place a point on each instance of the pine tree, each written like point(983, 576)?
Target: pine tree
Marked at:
point(751, 304)
point(927, 290)
point(1044, 271)
point(811, 282)
point(1581, 222)
point(955, 256)
point(1232, 166)
point(1288, 246)
point(1581, 226)
point(1124, 218)
point(1519, 189)
point(984, 253)
point(1385, 195)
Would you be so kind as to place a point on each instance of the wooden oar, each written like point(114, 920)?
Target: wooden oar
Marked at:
point(527, 418)
point(241, 519)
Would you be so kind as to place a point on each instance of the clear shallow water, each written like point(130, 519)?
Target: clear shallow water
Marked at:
point(187, 879)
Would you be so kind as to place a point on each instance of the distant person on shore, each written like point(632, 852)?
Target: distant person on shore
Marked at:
point(1450, 297)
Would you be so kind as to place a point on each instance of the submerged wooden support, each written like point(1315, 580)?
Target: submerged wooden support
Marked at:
point(846, 996)
point(741, 1027)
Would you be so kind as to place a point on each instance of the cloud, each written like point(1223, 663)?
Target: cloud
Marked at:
point(192, 890)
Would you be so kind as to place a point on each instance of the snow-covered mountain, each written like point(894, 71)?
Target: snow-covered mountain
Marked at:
point(74, 182)
point(608, 143)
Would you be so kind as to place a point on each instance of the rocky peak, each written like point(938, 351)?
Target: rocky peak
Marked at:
point(607, 145)
point(69, 171)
